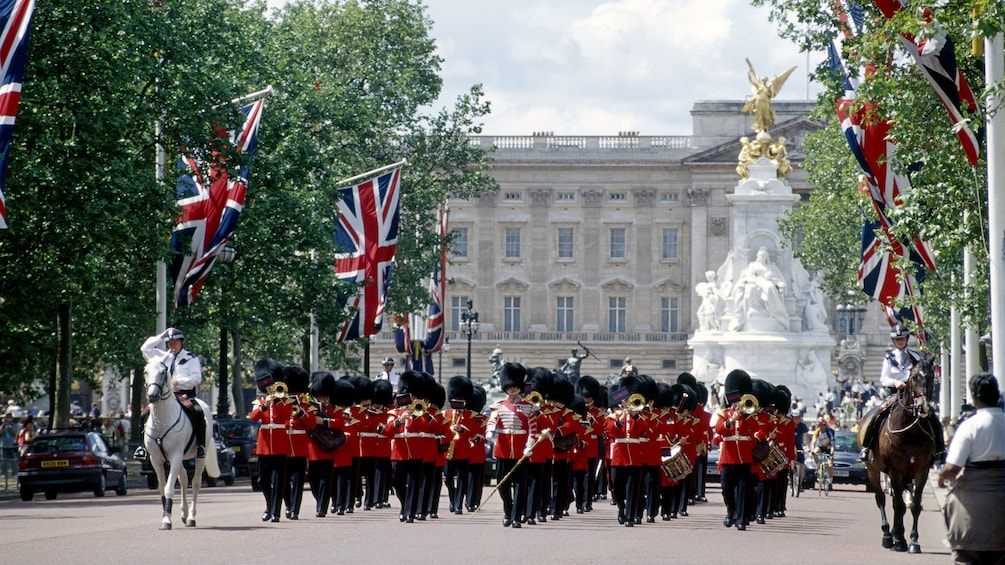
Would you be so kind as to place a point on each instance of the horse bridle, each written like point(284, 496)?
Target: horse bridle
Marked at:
point(161, 384)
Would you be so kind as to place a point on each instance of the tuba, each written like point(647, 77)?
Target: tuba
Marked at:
point(748, 404)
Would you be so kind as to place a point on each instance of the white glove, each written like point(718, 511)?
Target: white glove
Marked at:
point(546, 432)
point(526, 451)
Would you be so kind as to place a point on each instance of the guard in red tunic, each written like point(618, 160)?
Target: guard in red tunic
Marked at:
point(479, 450)
point(651, 457)
point(539, 387)
point(763, 482)
point(588, 388)
point(344, 471)
point(408, 427)
point(511, 421)
point(458, 432)
point(785, 439)
point(379, 446)
point(433, 470)
point(273, 445)
point(297, 383)
point(568, 430)
point(735, 434)
point(666, 437)
point(625, 430)
point(320, 464)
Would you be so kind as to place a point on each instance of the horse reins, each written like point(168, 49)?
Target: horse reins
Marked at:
point(163, 395)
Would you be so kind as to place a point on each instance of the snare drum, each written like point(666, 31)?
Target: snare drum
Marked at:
point(774, 462)
point(676, 466)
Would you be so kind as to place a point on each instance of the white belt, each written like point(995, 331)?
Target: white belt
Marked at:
point(369, 434)
point(511, 432)
point(273, 426)
point(735, 438)
point(630, 440)
point(296, 432)
point(406, 435)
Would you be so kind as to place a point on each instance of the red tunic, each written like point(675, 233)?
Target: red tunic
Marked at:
point(510, 423)
point(332, 419)
point(297, 429)
point(625, 434)
point(736, 441)
point(479, 426)
point(272, 436)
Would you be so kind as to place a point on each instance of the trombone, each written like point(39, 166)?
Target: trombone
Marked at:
point(535, 398)
point(748, 404)
point(634, 403)
point(417, 408)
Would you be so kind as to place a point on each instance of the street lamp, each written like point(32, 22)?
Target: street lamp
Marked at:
point(469, 326)
point(851, 314)
point(226, 256)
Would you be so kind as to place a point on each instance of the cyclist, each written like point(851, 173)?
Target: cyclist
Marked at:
point(823, 444)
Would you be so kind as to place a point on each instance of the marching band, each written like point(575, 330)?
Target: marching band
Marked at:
point(556, 443)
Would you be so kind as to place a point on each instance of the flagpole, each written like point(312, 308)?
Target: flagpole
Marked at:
point(373, 173)
point(993, 70)
point(248, 97)
point(161, 266)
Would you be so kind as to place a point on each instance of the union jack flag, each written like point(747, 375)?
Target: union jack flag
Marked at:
point(15, 19)
point(211, 203)
point(936, 59)
point(367, 235)
point(880, 278)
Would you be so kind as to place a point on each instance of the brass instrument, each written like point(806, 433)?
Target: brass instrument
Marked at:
point(278, 389)
point(535, 398)
point(418, 407)
point(634, 403)
point(748, 404)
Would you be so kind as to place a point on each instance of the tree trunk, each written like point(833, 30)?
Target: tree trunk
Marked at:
point(64, 367)
point(136, 405)
point(237, 375)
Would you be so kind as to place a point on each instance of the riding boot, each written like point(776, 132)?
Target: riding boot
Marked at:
point(141, 453)
point(939, 457)
point(199, 427)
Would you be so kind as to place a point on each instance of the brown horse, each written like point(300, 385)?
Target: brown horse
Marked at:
point(903, 450)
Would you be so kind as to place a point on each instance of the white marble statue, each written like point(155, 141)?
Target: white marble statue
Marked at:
point(711, 308)
point(815, 313)
point(759, 292)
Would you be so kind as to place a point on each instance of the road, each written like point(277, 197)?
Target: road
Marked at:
point(79, 529)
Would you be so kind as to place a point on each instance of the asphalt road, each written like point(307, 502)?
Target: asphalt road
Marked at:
point(80, 529)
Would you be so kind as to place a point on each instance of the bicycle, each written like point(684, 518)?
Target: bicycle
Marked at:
point(795, 477)
point(823, 475)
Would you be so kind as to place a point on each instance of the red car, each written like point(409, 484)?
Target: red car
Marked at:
point(70, 461)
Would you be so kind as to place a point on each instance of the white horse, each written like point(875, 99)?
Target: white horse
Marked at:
point(168, 437)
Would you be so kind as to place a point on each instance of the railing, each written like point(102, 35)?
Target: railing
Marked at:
point(564, 337)
point(561, 142)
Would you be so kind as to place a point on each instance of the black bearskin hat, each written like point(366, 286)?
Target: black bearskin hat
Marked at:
point(688, 379)
point(648, 388)
point(411, 382)
point(383, 393)
point(429, 385)
point(460, 388)
point(297, 379)
point(602, 400)
point(437, 396)
point(323, 384)
point(542, 380)
point(364, 389)
point(632, 384)
point(664, 396)
point(512, 374)
point(578, 405)
point(691, 400)
point(737, 384)
point(588, 387)
point(267, 372)
point(564, 391)
point(783, 399)
point(345, 393)
point(478, 399)
point(764, 392)
point(702, 391)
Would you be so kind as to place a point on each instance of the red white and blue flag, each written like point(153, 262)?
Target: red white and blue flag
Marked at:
point(211, 203)
point(936, 59)
point(366, 238)
point(15, 19)
point(417, 336)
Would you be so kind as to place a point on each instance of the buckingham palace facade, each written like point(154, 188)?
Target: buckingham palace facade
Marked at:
point(598, 240)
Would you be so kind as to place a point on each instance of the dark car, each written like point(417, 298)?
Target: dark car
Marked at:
point(224, 457)
point(70, 461)
point(241, 436)
point(848, 468)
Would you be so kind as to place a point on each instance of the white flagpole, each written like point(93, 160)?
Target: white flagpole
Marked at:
point(248, 97)
point(161, 266)
point(373, 173)
point(993, 70)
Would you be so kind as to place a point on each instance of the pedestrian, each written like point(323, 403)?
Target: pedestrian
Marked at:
point(12, 407)
point(76, 410)
point(110, 432)
point(976, 461)
point(8, 448)
point(26, 434)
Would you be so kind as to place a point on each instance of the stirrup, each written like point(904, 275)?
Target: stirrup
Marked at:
point(864, 455)
point(140, 454)
point(200, 451)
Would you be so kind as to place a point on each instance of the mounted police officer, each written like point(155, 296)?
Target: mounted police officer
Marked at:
point(897, 365)
point(185, 372)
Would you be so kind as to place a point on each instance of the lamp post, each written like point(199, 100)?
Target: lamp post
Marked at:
point(850, 313)
point(226, 256)
point(469, 326)
point(444, 347)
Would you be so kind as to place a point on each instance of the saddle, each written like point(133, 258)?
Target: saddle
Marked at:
point(186, 403)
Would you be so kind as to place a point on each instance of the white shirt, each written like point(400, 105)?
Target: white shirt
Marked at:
point(980, 437)
point(392, 376)
point(897, 364)
point(184, 369)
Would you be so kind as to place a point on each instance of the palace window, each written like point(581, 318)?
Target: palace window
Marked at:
point(564, 314)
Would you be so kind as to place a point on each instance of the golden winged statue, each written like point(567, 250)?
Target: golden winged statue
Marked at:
point(764, 90)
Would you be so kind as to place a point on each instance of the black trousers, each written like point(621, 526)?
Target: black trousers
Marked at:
point(581, 489)
point(368, 475)
point(650, 491)
point(476, 485)
point(272, 476)
point(296, 474)
point(406, 486)
point(382, 479)
point(321, 475)
point(560, 487)
point(735, 481)
point(626, 488)
point(456, 479)
point(514, 492)
point(535, 490)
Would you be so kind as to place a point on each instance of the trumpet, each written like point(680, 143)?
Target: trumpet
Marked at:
point(418, 407)
point(634, 403)
point(748, 404)
point(534, 397)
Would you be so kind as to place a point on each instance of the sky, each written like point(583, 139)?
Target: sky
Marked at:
point(596, 67)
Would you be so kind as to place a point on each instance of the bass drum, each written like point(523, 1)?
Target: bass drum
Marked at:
point(676, 466)
point(774, 462)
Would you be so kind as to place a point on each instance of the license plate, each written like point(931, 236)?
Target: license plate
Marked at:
point(839, 473)
point(55, 463)
point(236, 448)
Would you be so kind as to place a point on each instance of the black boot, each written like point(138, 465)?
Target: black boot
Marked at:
point(199, 429)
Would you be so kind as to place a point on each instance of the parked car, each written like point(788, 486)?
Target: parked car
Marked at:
point(224, 457)
point(241, 435)
point(848, 469)
point(70, 461)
